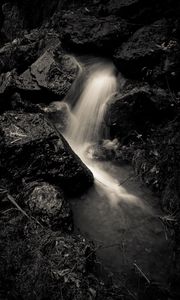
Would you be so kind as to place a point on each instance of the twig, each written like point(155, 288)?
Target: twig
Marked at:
point(12, 200)
point(142, 273)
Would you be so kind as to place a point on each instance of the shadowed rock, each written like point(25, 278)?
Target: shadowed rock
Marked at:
point(13, 21)
point(31, 148)
point(46, 203)
point(22, 52)
point(138, 109)
point(49, 75)
point(59, 114)
point(150, 52)
point(84, 33)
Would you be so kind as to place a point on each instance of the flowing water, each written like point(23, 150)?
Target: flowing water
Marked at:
point(123, 219)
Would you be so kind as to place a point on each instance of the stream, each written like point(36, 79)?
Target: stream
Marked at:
point(121, 216)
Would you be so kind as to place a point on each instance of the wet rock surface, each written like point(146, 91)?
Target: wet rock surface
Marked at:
point(30, 147)
point(82, 32)
point(48, 76)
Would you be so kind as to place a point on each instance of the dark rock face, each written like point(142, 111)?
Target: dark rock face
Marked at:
point(150, 52)
point(7, 82)
point(31, 148)
point(47, 78)
point(59, 114)
point(125, 8)
point(47, 75)
point(159, 156)
point(139, 11)
point(13, 21)
point(30, 14)
point(137, 110)
point(82, 32)
point(22, 52)
point(46, 203)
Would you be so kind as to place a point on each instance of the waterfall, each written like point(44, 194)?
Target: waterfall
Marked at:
point(85, 127)
point(89, 109)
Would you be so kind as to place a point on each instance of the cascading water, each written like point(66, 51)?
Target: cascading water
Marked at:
point(112, 214)
point(86, 126)
point(89, 109)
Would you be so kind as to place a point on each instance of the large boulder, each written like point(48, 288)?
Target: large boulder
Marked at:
point(85, 32)
point(138, 109)
point(150, 51)
point(48, 77)
point(31, 148)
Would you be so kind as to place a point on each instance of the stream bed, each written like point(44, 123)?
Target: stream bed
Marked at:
point(129, 235)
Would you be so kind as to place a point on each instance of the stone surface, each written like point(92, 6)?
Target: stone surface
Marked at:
point(7, 82)
point(59, 114)
point(84, 33)
point(147, 48)
point(22, 52)
point(137, 110)
point(140, 11)
point(46, 203)
point(13, 21)
point(48, 75)
point(31, 148)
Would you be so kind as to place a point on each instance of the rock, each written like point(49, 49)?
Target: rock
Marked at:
point(139, 11)
point(7, 85)
point(13, 22)
point(22, 52)
point(46, 203)
point(49, 77)
point(37, 12)
point(156, 162)
point(7, 82)
point(123, 8)
point(137, 110)
point(170, 197)
point(31, 148)
point(23, 105)
point(59, 114)
point(89, 33)
point(148, 50)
